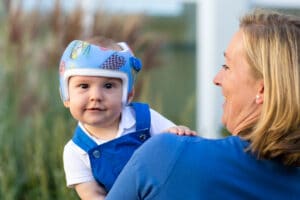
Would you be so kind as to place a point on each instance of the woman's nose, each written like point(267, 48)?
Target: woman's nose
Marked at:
point(217, 79)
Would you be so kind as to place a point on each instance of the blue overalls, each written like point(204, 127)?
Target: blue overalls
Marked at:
point(108, 159)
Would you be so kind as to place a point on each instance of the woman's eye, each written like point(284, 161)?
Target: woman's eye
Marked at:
point(225, 67)
point(83, 86)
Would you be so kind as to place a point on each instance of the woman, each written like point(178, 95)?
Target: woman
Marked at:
point(260, 81)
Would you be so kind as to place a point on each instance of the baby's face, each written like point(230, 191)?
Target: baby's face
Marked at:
point(95, 101)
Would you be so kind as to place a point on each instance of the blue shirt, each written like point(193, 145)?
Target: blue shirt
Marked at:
point(174, 167)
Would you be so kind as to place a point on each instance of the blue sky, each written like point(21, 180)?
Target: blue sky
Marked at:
point(283, 3)
point(165, 7)
point(151, 7)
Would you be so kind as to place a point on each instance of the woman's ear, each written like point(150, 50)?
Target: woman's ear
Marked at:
point(259, 99)
point(130, 95)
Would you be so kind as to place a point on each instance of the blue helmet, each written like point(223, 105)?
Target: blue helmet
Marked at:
point(81, 58)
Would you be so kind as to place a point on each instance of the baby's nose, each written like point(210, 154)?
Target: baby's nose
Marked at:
point(96, 94)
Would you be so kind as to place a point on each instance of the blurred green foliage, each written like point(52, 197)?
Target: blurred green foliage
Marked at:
point(34, 125)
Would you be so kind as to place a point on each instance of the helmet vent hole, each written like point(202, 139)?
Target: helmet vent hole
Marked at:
point(114, 62)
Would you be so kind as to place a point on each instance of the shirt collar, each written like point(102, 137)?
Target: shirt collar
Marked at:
point(127, 119)
point(127, 122)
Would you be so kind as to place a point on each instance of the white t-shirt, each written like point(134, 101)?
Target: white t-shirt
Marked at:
point(76, 161)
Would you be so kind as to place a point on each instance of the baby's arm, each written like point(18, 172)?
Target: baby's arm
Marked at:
point(181, 130)
point(90, 191)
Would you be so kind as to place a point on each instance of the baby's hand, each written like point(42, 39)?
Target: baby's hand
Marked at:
point(181, 130)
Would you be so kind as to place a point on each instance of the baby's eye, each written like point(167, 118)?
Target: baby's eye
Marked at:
point(108, 85)
point(83, 85)
point(225, 67)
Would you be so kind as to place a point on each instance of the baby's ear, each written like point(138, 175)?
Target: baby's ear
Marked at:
point(67, 104)
point(130, 95)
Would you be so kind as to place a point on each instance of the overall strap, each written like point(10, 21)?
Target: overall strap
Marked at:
point(82, 140)
point(142, 115)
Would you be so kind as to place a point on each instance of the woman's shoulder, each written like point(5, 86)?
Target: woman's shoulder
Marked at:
point(172, 145)
point(167, 139)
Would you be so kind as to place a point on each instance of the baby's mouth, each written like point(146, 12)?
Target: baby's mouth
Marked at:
point(95, 109)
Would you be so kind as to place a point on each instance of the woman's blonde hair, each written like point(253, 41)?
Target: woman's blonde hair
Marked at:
point(272, 44)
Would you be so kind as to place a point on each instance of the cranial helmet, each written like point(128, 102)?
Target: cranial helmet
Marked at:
point(81, 58)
